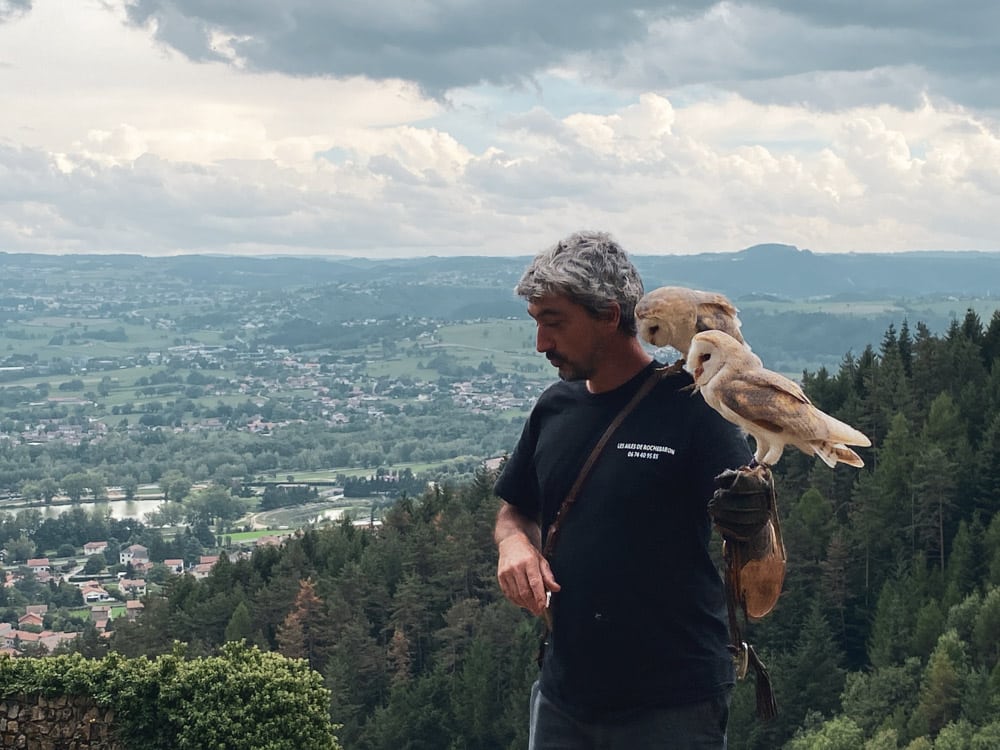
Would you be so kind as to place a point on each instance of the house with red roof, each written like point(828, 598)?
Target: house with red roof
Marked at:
point(39, 565)
point(94, 548)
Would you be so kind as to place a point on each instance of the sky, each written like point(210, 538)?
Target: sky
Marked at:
point(394, 128)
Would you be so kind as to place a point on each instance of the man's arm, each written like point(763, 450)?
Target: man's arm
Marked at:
point(524, 574)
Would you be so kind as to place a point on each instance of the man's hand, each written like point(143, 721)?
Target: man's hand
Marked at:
point(741, 505)
point(524, 574)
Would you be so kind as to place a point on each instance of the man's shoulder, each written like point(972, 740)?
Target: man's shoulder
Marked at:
point(674, 377)
point(677, 386)
point(678, 399)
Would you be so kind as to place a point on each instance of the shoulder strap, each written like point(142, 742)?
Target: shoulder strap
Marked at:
point(644, 389)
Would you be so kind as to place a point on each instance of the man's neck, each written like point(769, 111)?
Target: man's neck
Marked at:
point(621, 363)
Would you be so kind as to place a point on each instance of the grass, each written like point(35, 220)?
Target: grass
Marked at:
point(507, 344)
point(297, 516)
point(249, 536)
point(330, 475)
point(912, 309)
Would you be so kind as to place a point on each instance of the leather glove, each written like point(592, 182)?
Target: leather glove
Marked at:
point(741, 505)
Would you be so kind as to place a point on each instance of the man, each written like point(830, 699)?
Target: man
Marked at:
point(638, 652)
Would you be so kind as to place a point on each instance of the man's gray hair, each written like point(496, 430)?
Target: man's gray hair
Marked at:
point(590, 269)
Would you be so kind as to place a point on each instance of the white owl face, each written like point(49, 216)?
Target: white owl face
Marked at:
point(706, 356)
point(654, 331)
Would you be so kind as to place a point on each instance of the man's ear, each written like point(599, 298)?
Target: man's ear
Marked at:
point(612, 313)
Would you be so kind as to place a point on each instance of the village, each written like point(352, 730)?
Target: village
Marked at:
point(206, 388)
point(102, 598)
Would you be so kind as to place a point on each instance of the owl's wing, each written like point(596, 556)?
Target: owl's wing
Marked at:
point(716, 313)
point(770, 401)
point(720, 301)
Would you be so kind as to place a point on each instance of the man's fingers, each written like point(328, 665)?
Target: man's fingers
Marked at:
point(525, 576)
point(518, 589)
point(525, 590)
point(535, 593)
point(550, 580)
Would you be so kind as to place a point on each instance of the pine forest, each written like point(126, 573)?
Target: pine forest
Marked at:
point(887, 634)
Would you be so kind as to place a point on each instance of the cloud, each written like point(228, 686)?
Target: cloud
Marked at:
point(12, 8)
point(685, 127)
point(440, 44)
point(80, 82)
point(823, 54)
point(719, 175)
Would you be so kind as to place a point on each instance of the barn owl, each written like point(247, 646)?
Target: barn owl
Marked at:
point(769, 406)
point(672, 315)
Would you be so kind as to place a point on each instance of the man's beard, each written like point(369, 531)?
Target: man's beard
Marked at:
point(571, 371)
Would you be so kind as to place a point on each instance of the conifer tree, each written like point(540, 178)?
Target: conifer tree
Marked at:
point(891, 629)
point(398, 658)
point(301, 635)
point(905, 346)
point(987, 462)
point(935, 493)
point(991, 340)
point(986, 631)
point(883, 698)
point(962, 357)
point(928, 375)
point(411, 613)
point(834, 581)
point(813, 678)
point(941, 688)
point(991, 543)
point(240, 625)
point(357, 678)
point(883, 506)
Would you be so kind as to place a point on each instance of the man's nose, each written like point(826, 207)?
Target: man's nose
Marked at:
point(542, 342)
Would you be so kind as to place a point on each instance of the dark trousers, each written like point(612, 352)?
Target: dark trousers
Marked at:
point(698, 726)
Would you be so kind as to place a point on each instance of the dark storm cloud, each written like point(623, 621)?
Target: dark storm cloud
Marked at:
point(11, 8)
point(949, 39)
point(445, 44)
point(961, 17)
point(440, 44)
point(828, 55)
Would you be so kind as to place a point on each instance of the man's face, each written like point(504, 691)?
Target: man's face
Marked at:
point(570, 337)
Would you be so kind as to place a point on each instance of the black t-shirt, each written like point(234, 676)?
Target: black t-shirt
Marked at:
point(640, 619)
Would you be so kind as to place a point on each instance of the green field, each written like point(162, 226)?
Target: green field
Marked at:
point(297, 516)
point(501, 346)
point(509, 345)
point(330, 475)
point(912, 309)
point(250, 536)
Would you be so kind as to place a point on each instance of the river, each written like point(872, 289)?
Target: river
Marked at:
point(117, 508)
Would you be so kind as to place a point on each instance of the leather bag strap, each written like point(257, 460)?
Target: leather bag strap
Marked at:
point(553, 536)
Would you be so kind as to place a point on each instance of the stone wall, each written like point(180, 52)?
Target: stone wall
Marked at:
point(34, 722)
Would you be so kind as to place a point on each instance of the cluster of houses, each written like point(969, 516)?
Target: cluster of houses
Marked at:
point(29, 635)
point(340, 395)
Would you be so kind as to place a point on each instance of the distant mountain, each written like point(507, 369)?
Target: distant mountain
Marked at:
point(785, 271)
point(777, 270)
point(315, 296)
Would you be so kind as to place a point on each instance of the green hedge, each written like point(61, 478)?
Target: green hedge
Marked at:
point(242, 698)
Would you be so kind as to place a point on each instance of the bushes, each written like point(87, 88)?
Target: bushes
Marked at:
point(241, 698)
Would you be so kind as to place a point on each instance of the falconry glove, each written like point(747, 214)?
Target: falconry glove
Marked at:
point(745, 510)
point(741, 505)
